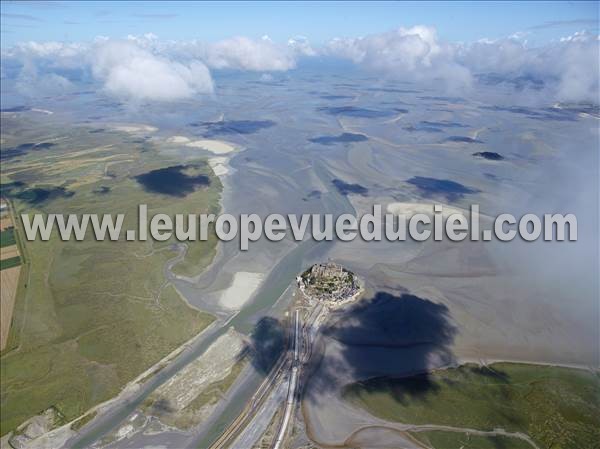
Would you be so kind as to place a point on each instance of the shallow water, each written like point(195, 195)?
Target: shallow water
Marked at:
point(404, 158)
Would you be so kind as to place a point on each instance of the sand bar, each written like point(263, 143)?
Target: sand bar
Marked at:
point(214, 146)
point(410, 209)
point(219, 165)
point(178, 139)
point(135, 129)
point(242, 288)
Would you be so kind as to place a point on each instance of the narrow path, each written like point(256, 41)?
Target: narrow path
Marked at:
point(289, 406)
point(433, 427)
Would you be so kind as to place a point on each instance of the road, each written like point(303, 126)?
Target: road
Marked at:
point(293, 383)
point(276, 377)
point(282, 382)
point(281, 385)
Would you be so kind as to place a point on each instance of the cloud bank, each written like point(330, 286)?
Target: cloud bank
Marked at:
point(567, 69)
point(145, 68)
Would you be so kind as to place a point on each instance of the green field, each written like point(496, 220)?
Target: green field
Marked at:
point(558, 408)
point(92, 315)
point(198, 255)
point(7, 238)
point(9, 263)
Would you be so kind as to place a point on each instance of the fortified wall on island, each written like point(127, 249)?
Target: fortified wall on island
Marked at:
point(329, 282)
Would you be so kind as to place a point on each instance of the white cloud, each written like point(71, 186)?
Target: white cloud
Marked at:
point(236, 53)
point(569, 68)
point(129, 71)
point(301, 46)
point(243, 53)
point(520, 35)
point(580, 36)
point(32, 84)
point(144, 67)
point(144, 39)
point(413, 53)
point(575, 63)
point(498, 56)
point(50, 54)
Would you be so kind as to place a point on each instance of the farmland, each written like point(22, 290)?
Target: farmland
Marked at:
point(10, 270)
point(9, 278)
point(7, 238)
point(92, 315)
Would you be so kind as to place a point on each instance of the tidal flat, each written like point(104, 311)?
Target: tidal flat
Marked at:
point(440, 302)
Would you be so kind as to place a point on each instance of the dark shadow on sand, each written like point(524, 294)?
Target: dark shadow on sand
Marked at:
point(462, 139)
point(39, 195)
point(544, 114)
point(226, 127)
point(345, 188)
point(353, 111)
point(174, 181)
point(445, 188)
point(387, 334)
point(342, 138)
point(266, 344)
point(489, 155)
point(336, 97)
point(423, 129)
point(24, 148)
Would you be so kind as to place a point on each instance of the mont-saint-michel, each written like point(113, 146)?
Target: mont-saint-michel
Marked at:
point(329, 283)
point(299, 109)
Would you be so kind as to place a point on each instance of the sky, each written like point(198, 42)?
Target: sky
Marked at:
point(159, 51)
point(318, 21)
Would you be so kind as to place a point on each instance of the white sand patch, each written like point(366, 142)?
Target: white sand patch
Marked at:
point(39, 432)
point(42, 111)
point(178, 139)
point(242, 288)
point(219, 165)
point(410, 209)
point(56, 438)
point(125, 431)
point(214, 146)
point(135, 129)
point(475, 134)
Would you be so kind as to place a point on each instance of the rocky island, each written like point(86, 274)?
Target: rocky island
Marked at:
point(329, 283)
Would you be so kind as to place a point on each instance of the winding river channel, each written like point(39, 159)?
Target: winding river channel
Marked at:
point(272, 297)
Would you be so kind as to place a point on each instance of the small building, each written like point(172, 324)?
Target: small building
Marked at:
point(328, 282)
point(328, 269)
